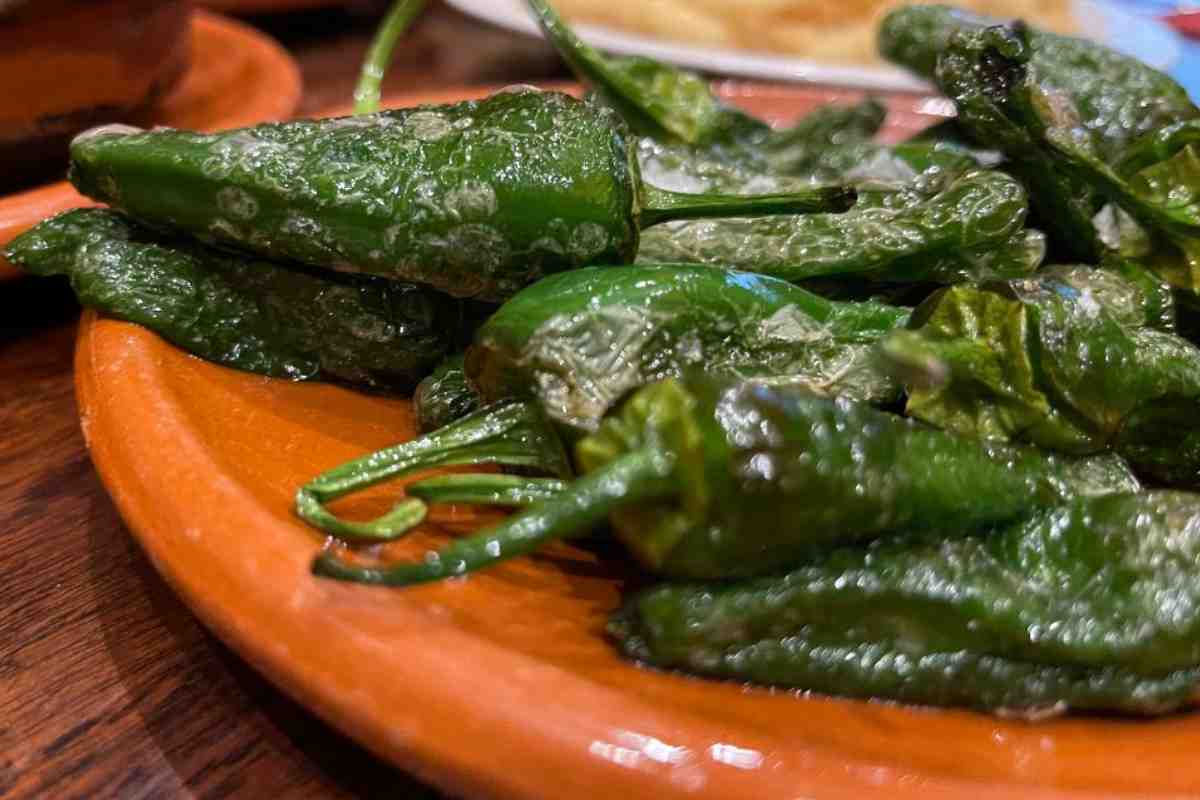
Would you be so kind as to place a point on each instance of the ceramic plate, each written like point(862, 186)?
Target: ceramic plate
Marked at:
point(502, 684)
point(237, 77)
point(1154, 43)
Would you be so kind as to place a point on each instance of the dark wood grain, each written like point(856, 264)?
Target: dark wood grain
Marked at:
point(109, 687)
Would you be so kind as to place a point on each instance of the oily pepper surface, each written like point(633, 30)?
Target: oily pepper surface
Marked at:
point(262, 317)
point(578, 342)
point(1091, 605)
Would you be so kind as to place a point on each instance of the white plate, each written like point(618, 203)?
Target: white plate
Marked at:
point(1147, 39)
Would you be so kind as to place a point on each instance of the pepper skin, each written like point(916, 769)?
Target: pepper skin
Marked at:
point(942, 238)
point(655, 99)
point(1114, 101)
point(476, 199)
point(1074, 365)
point(1088, 606)
point(579, 341)
point(1119, 98)
point(248, 314)
point(717, 478)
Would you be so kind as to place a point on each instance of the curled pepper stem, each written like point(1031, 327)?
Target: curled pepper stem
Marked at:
point(510, 491)
point(660, 205)
point(633, 478)
point(511, 434)
point(404, 516)
point(379, 56)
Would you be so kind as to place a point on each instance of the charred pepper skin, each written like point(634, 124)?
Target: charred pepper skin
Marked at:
point(248, 314)
point(1081, 607)
point(476, 199)
point(579, 341)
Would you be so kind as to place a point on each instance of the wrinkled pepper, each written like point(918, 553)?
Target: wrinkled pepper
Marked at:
point(476, 199)
point(704, 477)
point(1088, 606)
point(579, 341)
point(1120, 99)
point(996, 75)
point(1069, 361)
point(248, 314)
point(655, 99)
point(691, 140)
point(950, 236)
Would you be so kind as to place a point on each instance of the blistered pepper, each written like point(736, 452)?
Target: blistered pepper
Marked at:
point(579, 341)
point(1088, 606)
point(719, 478)
point(476, 199)
point(246, 313)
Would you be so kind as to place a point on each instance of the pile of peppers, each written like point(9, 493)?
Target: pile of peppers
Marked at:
point(912, 422)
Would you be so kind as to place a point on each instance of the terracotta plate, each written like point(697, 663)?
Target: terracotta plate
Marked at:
point(265, 6)
point(237, 77)
point(502, 685)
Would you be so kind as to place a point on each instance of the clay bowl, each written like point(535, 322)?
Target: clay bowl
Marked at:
point(238, 76)
point(66, 65)
point(503, 685)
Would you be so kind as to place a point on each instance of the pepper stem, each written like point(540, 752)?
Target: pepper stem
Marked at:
point(509, 491)
point(661, 205)
point(379, 56)
point(512, 434)
point(404, 516)
point(633, 478)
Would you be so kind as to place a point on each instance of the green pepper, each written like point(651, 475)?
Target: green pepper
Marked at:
point(998, 77)
point(1088, 606)
point(1119, 98)
point(1071, 362)
point(968, 73)
point(1163, 198)
point(251, 315)
point(476, 199)
point(826, 145)
point(654, 98)
point(831, 125)
point(947, 237)
point(444, 396)
point(994, 79)
point(717, 478)
point(692, 141)
point(677, 107)
point(580, 341)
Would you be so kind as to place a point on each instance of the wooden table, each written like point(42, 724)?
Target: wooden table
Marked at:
point(109, 687)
